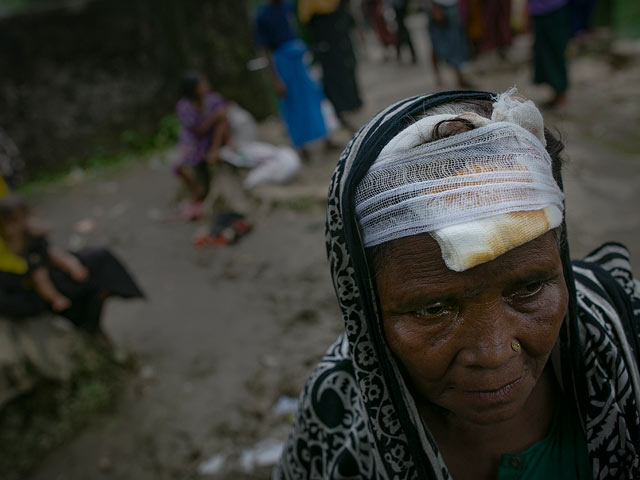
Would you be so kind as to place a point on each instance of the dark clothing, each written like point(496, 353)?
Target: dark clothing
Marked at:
point(275, 25)
point(107, 277)
point(332, 47)
point(497, 21)
point(402, 33)
point(12, 285)
point(19, 302)
point(551, 33)
point(542, 7)
point(581, 13)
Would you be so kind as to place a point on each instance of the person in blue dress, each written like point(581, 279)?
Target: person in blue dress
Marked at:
point(299, 97)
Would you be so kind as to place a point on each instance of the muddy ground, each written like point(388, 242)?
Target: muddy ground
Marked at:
point(226, 332)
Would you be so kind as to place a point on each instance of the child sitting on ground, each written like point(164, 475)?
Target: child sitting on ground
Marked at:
point(36, 277)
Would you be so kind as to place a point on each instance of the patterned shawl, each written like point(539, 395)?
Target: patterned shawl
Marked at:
point(357, 418)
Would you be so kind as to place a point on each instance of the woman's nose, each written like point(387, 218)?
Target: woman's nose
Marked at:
point(486, 336)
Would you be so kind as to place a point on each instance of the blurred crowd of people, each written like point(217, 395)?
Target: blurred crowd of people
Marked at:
point(310, 109)
point(294, 35)
point(213, 129)
point(459, 30)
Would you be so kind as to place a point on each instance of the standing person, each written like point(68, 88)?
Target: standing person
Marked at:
point(330, 26)
point(497, 26)
point(375, 15)
point(472, 18)
point(204, 129)
point(403, 37)
point(448, 40)
point(299, 98)
point(551, 34)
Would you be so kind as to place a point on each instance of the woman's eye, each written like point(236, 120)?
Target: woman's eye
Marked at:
point(432, 310)
point(529, 290)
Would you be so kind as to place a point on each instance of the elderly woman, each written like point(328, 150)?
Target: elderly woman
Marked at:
point(474, 348)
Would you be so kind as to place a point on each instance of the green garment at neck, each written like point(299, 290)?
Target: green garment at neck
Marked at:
point(561, 454)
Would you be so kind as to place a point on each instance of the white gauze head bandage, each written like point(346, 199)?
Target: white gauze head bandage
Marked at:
point(479, 193)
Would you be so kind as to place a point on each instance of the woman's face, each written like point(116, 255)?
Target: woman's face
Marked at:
point(202, 88)
point(453, 331)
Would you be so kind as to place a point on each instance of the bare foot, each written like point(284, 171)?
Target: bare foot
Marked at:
point(558, 104)
point(60, 304)
point(191, 210)
point(79, 272)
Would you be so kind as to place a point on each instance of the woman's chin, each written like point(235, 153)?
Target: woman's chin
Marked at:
point(490, 416)
point(489, 407)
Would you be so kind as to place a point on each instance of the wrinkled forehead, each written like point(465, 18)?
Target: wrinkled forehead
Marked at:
point(418, 258)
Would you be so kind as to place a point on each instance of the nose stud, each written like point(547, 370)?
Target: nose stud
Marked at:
point(515, 345)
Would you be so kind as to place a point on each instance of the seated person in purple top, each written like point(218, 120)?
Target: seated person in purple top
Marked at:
point(203, 130)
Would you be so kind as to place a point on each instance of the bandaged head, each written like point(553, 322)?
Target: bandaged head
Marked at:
point(479, 193)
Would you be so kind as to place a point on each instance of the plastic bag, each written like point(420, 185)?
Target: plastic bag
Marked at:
point(268, 163)
point(242, 124)
point(274, 164)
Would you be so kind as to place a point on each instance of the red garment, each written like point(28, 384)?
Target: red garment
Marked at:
point(379, 24)
point(497, 24)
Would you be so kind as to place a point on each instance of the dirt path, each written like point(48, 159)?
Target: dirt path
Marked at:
point(228, 331)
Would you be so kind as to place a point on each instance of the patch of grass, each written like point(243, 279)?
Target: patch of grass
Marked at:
point(41, 181)
point(165, 136)
point(33, 425)
point(302, 204)
point(621, 143)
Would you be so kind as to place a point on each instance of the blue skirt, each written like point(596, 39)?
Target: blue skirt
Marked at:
point(301, 108)
point(448, 39)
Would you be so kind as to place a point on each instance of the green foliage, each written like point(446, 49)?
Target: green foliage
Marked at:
point(101, 159)
point(626, 18)
point(17, 5)
point(303, 204)
point(35, 424)
point(132, 140)
point(133, 147)
point(167, 133)
point(165, 136)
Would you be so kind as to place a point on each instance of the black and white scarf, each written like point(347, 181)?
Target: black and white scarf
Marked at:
point(357, 419)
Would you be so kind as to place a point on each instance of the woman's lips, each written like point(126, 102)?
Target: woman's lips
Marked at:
point(502, 394)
